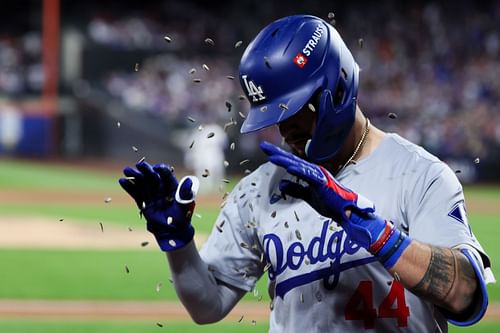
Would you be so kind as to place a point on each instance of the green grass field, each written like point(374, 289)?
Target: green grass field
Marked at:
point(101, 275)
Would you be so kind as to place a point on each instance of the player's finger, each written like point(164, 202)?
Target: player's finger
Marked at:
point(150, 176)
point(132, 173)
point(295, 190)
point(166, 175)
point(131, 189)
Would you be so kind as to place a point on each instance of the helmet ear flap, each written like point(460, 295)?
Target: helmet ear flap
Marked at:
point(332, 126)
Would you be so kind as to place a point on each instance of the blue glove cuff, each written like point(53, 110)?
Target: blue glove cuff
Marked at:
point(393, 248)
point(174, 241)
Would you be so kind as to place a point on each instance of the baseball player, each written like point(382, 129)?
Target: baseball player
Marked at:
point(357, 229)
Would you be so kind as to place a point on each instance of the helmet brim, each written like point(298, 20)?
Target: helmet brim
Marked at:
point(266, 114)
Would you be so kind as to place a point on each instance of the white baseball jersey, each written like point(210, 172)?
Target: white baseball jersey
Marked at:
point(320, 280)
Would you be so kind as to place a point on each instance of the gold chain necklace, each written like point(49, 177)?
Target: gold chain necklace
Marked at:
point(361, 143)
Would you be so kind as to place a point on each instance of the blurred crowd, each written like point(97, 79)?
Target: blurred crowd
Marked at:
point(432, 66)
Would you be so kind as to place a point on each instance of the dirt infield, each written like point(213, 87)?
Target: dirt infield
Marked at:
point(99, 310)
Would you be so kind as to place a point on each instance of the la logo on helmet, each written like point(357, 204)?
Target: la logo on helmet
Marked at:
point(254, 91)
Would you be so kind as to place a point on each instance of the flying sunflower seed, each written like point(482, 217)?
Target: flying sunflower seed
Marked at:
point(331, 15)
point(476, 161)
point(144, 244)
point(238, 44)
point(209, 41)
point(247, 172)
point(102, 227)
point(196, 80)
point(167, 39)
point(244, 245)
point(241, 318)
point(200, 128)
point(311, 107)
point(242, 115)
point(205, 67)
point(297, 233)
point(227, 181)
point(266, 268)
point(170, 220)
point(191, 119)
point(210, 135)
point(118, 124)
point(296, 216)
point(127, 270)
point(242, 97)
point(230, 77)
point(361, 42)
point(259, 298)
point(232, 146)
point(107, 200)
point(301, 298)
point(134, 148)
point(333, 22)
point(205, 173)
point(273, 214)
point(159, 324)
point(158, 287)
point(283, 106)
point(218, 228)
point(60, 220)
point(192, 71)
point(130, 229)
point(458, 171)
point(392, 115)
point(191, 145)
point(136, 68)
point(286, 224)
point(172, 243)
point(229, 106)
point(254, 322)
point(141, 160)
point(263, 108)
point(244, 162)
point(226, 164)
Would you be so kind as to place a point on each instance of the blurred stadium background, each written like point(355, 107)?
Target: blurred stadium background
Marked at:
point(87, 87)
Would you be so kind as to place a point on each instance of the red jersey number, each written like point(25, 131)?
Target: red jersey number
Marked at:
point(360, 306)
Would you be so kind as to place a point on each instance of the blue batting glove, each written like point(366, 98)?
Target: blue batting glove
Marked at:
point(331, 199)
point(166, 203)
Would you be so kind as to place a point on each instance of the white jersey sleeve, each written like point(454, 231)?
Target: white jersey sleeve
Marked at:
point(233, 251)
point(437, 213)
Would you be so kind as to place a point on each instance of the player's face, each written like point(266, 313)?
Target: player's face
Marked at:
point(297, 129)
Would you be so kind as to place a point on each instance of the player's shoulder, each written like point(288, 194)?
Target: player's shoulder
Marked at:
point(417, 159)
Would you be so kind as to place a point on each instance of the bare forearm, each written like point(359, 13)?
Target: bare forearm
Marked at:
point(441, 275)
point(205, 299)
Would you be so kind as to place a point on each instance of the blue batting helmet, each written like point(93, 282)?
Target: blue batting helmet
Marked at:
point(290, 61)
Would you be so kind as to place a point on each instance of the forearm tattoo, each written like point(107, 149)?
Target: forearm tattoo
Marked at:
point(445, 267)
point(439, 277)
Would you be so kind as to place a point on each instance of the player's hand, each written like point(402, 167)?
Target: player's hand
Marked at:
point(166, 204)
point(330, 199)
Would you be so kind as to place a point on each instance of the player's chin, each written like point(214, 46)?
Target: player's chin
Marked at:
point(299, 150)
